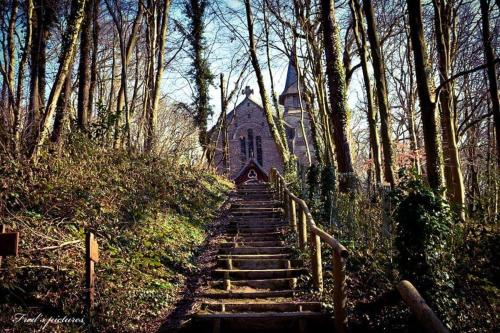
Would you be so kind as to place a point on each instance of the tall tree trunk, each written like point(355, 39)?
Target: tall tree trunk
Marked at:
point(43, 18)
point(453, 173)
point(93, 65)
point(412, 126)
point(338, 112)
point(282, 147)
point(62, 111)
point(126, 49)
point(360, 37)
point(225, 148)
point(492, 74)
point(274, 97)
point(196, 11)
point(20, 73)
point(152, 111)
point(67, 54)
point(10, 109)
point(430, 121)
point(382, 94)
point(84, 75)
point(301, 103)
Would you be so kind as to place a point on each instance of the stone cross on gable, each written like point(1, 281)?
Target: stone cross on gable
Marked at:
point(247, 91)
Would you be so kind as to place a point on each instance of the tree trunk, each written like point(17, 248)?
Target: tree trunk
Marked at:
point(196, 11)
point(280, 116)
point(43, 18)
point(62, 111)
point(338, 100)
point(66, 59)
point(282, 148)
point(430, 121)
point(93, 65)
point(492, 75)
point(225, 148)
point(84, 75)
point(152, 111)
point(412, 126)
point(453, 172)
point(20, 74)
point(360, 37)
point(382, 94)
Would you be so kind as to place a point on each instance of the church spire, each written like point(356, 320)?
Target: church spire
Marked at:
point(291, 75)
point(291, 83)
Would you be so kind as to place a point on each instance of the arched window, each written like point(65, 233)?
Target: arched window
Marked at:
point(258, 143)
point(243, 150)
point(250, 144)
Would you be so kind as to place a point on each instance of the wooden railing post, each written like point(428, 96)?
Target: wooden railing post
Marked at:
point(91, 257)
point(286, 206)
point(302, 228)
point(293, 213)
point(339, 292)
point(316, 266)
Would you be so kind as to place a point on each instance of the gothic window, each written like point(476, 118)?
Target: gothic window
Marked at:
point(258, 143)
point(250, 143)
point(243, 149)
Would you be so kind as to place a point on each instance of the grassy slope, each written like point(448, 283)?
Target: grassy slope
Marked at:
point(149, 215)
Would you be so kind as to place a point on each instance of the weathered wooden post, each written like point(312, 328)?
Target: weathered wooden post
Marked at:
point(91, 257)
point(293, 213)
point(9, 243)
point(339, 292)
point(286, 206)
point(302, 228)
point(316, 266)
point(227, 281)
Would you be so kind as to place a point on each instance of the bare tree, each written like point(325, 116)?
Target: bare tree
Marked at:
point(338, 100)
point(428, 107)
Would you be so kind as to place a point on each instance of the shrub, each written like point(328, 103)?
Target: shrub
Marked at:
point(425, 226)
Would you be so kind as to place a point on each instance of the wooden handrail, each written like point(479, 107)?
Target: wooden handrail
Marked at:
point(424, 314)
point(303, 223)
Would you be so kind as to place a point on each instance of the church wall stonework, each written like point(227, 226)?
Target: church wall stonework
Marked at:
point(249, 115)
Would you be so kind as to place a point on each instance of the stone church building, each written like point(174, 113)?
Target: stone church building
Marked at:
point(252, 151)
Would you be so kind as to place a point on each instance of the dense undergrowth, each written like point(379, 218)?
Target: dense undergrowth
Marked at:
point(150, 216)
point(458, 258)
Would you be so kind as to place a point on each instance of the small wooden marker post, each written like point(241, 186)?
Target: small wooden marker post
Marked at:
point(91, 257)
point(9, 243)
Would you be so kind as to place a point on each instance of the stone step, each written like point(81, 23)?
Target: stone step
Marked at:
point(262, 284)
point(273, 263)
point(254, 230)
point(254, 256)
point(273, 243)
point(231, 294)
point(256, 203)
point(255, 210)
point(256, 250)
point(256, 224)
point(247, 274)
point(260, 306)
point(277, 233)
point(256, 238)
point(256, 218)
point(263, 322)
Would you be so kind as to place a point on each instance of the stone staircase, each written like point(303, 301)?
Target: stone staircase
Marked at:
point(254, 287)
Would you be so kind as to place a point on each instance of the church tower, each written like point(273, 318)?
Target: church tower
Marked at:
point(295, 117)
point(289, 98)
